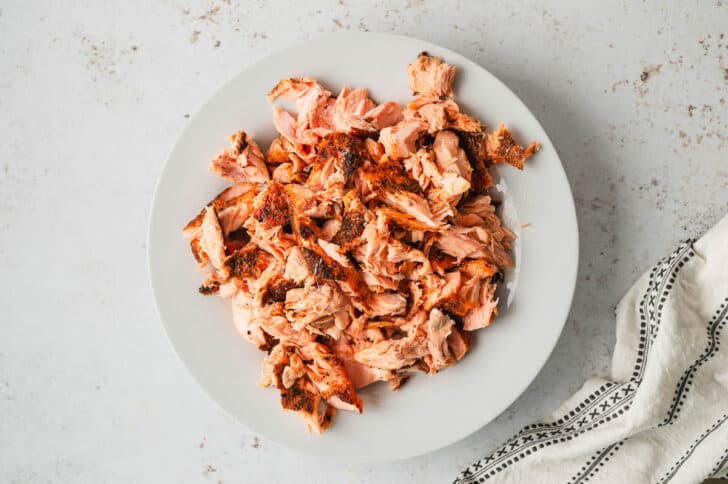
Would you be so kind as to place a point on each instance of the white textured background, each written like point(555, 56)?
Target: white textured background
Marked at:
point(92, 97)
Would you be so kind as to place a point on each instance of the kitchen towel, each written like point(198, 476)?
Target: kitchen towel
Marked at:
point(662, 414)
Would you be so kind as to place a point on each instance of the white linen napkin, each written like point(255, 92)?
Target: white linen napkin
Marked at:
point(662, 414)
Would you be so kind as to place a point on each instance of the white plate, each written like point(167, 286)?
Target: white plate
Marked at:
point(429, 412)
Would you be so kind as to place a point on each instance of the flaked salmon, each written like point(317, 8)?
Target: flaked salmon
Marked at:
point(364, 245)
point(430, 76)
point(243, 162)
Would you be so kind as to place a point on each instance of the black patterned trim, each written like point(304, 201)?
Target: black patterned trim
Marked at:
point(524, 445)
point(596, 409)
point(676, 466)
point(722, 462)
point(683, 387)
point(661, 282)
point(595, 463)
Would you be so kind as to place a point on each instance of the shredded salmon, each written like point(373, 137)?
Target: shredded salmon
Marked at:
point(363, 246)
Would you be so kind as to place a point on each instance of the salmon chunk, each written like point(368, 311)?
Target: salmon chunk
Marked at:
point(430, 76)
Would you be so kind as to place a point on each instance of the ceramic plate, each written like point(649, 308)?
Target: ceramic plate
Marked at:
point(429, 412)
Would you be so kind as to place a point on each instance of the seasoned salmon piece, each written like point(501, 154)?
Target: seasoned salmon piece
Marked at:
point(405, 221)
point(441, 262)
point(392, 354)
point(330, 228)
point(461, 121)
point(375, 266)
point(474, 145)
point(355, 102)
point(410, 262)
point(322, 173)
point(316, 308)
point(296, 267)
point(249, 262)
point(303, 397)
point(349, 279)
point(275, 326)
point(349, 151)
point(260, 287)
point(422, 167)
point(430, 76)
point(277, 153)
point(375, 149)
point(284, 173)
point(243, 162)
point(321, 120)
point(400, 140)
point(231, 194)
point(271, 206)
point(473, 242)
point(352, 223)
point(334, 251)
point(275, 290)
point(328, 374)
point(439, 327)
point(300, 199)
point(501, 148)
point(483, 207)
point(349, 111)
point(454, 185)
point(387, 176)
point(311, 100)
point(273, 240)
point(212, 242)
point(243, 317)
point(438, 289)
point(312, 107)
point(440, 114)
point(233, 214)
point(340, 156)
point(384, 115)
point(210, 286)
point(413, 205)
point(289, 128)
point(477, 268)
point(482, 315)
point(449, 156)
point(467, 298)
point(273, 365)
point(458, 342)
point(386, 304)
point(433, 114)
point(459, 243)
point(360, 374)
point(294, 370)
point(294, 88)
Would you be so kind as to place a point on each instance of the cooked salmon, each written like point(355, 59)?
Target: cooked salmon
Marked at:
point(430, 76)
point(243, 162)
point(212, 242)
point(384, 115)
point(364, 245)
point(400, 140)
point(501, 148)
point(439, 327)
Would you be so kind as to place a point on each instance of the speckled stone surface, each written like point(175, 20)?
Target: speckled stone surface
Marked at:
point(94, 94)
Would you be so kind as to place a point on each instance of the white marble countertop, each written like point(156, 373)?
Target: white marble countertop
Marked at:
point(93, 96)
